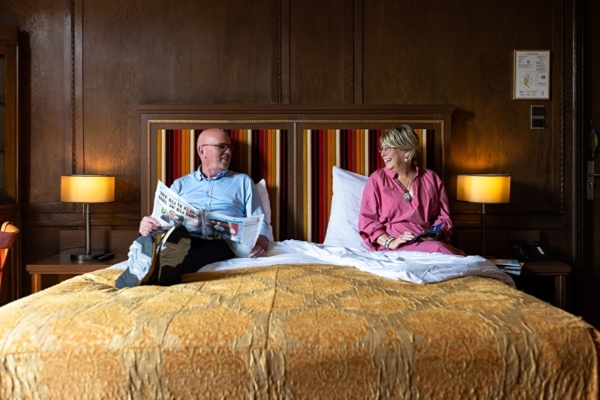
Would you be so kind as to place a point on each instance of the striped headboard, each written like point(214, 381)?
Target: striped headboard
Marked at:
point(292, 147)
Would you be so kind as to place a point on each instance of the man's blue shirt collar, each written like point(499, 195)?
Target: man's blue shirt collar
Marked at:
point(200, 176)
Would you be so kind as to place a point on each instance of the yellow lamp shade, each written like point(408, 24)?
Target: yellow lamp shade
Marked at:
point(483, 188)
point(87, 189)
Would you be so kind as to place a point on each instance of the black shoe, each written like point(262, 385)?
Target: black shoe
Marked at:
point(175, 246)
point(151, 275)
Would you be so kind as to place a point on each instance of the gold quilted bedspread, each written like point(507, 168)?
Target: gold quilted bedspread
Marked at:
point(294, 332)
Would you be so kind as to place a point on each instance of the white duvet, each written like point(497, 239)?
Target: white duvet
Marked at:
point(411, 266)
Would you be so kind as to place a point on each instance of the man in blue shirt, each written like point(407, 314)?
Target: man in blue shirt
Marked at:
point(212, 187)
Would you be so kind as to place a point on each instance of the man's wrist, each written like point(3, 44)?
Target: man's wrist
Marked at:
point(263, 242)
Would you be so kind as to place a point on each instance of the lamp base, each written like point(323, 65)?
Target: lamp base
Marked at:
point(86, 257)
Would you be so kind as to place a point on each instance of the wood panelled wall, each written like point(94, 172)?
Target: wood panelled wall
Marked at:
point(87, 65)
point(587, 280)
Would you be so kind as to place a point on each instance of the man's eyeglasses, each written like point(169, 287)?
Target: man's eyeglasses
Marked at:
point(223, 147)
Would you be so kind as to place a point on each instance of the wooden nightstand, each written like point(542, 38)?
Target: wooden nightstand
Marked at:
point(60, 264)
point(499, 243)
point(115, 241)
point(559, 270)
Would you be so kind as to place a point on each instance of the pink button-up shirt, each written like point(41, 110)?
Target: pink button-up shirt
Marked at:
point(384, 210)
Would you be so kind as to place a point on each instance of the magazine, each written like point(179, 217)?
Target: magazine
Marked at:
point(510, 266)
point(240, 233)
point(507, 263)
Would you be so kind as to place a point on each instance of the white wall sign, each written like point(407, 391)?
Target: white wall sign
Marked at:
point(532, 75)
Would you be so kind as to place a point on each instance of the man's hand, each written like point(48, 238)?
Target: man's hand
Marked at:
point(260, 248)
point(148, 225)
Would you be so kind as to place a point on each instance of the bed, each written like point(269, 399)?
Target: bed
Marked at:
point(320, 317)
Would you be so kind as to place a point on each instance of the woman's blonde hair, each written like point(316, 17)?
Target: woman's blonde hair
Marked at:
point(402, 137)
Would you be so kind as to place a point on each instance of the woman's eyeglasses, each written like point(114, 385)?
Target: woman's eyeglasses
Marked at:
point(386, 149)
point(223, 147)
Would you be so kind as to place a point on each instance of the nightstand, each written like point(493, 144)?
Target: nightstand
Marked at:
point(529, 280)
point(558, 270)
point(59, 264)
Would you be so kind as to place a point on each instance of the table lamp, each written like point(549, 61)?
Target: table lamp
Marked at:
point(484, 189)
point(87, 189)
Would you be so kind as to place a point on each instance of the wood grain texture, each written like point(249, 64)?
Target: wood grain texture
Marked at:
point(458, 53)
point(10, 278)
point(46, 94)
point(587, 277)
point(137, 52)
point(115, 241)
point(144, 52)
point(319, 37)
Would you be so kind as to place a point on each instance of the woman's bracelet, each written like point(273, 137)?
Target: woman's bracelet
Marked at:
point(387, 242)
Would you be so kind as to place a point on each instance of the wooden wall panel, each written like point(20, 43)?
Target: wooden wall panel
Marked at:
point(45, 115)
point(319, 51)
point(462, 53)
point(141, 52)
point(587, 280)
point(45, 75)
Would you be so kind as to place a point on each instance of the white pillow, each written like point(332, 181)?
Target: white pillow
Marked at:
point(342, 229)
point(261, 187)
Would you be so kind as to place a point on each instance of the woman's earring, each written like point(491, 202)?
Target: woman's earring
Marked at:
point(405, 159)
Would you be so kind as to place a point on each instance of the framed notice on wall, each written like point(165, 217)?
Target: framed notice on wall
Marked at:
point(531, 75)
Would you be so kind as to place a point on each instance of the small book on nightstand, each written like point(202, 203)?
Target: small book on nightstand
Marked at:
point(508, 265)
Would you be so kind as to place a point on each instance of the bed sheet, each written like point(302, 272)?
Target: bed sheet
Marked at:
point(411, 266)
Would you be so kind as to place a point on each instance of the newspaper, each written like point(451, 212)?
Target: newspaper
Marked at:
point(240, 233)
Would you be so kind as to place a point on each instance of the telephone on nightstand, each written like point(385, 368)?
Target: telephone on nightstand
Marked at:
point(529, 250)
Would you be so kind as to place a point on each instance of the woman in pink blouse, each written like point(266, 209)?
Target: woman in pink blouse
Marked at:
point(402, 200)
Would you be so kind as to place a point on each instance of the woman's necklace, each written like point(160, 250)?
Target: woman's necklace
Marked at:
point(407, 197)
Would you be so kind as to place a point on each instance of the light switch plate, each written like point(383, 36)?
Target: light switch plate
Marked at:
point(538, 117)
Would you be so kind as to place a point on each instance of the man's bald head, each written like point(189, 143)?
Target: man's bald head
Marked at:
point(212, 158)
point(212, 136)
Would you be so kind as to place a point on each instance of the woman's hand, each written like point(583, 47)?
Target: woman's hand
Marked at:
point(400, 240)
